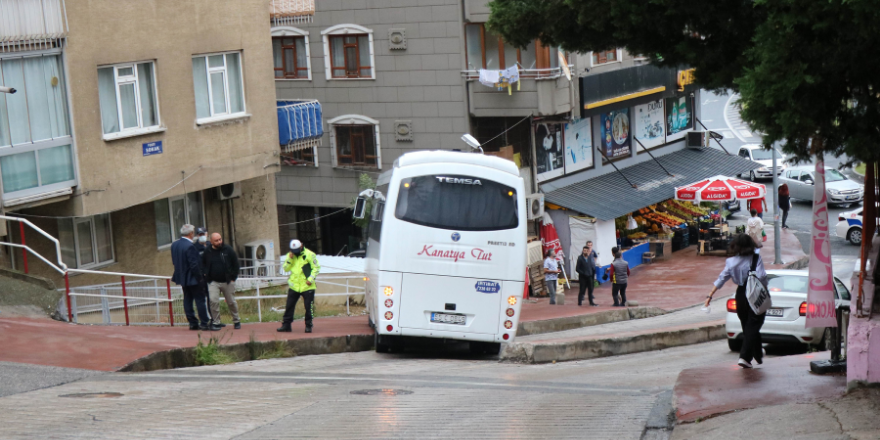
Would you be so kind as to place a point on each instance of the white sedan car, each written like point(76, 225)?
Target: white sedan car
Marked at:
point(786, 320)
point(849, 226)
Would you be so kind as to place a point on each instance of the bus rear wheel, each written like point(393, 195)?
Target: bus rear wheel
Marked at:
point(382, 343)
point(492, 348)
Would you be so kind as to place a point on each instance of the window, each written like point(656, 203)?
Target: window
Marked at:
point(86, 242)
point(486, 50)
point(303, 157)
point(349, 52)
point(36, 169)
point(605, 56)
point(792, 174)
point(355, 141)
point(127, 93)
point(439, 202)
point(841, 290)
point(805, 177)
point(218, 86)
point(38, 110)
point(289, 54)
point(174, 212)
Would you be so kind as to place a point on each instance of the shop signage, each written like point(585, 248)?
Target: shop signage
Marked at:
point(685, 77)
point(650, 124)
point(616, 134)
point(679, 117)
point(578, 145)
point(549, 149)
point(152, 148)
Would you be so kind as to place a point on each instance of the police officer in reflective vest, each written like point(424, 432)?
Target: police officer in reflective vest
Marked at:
point(304, 268)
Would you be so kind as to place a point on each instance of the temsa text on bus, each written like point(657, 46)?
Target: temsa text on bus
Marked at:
point(455, 255)
point(458, 180)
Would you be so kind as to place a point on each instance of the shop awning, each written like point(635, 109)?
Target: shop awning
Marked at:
point(300, 124)
point(609, 196)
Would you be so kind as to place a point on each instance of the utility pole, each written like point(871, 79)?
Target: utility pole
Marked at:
point(777, 225)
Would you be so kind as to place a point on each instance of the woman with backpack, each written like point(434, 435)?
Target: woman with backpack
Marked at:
point(737, 268)
point(755, 229)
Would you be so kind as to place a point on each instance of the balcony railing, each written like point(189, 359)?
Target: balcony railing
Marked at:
point(549, 73)
point(289, 12)
point(32, 24)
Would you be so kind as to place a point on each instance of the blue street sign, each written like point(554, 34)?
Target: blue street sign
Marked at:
point(153, 148)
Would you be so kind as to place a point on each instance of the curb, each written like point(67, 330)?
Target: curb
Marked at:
point(612, 346)
point(185, 357)
point(579, 321)
point(798, 264)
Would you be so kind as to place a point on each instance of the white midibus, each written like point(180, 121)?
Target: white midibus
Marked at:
point(446, 255)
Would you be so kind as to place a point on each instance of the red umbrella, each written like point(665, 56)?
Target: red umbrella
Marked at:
point(720, 189)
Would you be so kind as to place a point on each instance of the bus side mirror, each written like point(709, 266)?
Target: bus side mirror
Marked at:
point(360, 208)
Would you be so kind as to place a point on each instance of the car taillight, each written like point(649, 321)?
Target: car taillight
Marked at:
point(508, 325)
point(802, 310)
point(506, 336)
point(388, 316)
point(389, 302)
point(841, 218)
point(388, 291)
point(731, 305)
point(510, 312)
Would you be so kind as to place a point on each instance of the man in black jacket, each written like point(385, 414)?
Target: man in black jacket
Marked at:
point(586, 269)
point(221, 270)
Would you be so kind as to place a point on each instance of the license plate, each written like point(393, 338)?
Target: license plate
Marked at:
point(774, 312)
point(852, 197)
point(446, 318)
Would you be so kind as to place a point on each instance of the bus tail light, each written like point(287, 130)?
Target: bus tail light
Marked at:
point(388, 291)
point(505, 336)
point(389, 328)
point(388, 316)
point(389, 302)
point(731, 305)
point(511, 300)
point(508, 324)
point(510, 312)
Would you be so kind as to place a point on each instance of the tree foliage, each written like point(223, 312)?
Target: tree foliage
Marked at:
point(805, 69)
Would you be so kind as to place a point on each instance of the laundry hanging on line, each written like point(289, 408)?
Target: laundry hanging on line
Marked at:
point(500, 78)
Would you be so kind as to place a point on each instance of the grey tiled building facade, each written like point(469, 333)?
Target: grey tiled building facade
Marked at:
point(393, 76)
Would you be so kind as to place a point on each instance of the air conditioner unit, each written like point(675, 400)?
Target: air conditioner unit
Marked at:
point(697, 139)
point(229, 191)
point(260, 255)
point(535, 206)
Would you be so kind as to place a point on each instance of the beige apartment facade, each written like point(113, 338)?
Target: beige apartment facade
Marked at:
point(157, 106)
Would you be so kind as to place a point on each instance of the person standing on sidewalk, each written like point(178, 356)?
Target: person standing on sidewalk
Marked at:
point(784, 203)
point(221, 267)
point(188, 275)
point(619, 271)
point(758, 205)
point(551, 274)
point(755, 229)
point(304, 268)
point(737, 268)
point(586, 269)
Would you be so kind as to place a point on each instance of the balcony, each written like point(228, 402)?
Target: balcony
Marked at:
point(290, 12)
point(300, 129)
point(31, 25)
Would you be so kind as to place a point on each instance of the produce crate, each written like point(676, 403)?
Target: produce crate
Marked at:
point(536, 278)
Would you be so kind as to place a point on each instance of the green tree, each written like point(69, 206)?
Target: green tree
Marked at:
point(805, 69)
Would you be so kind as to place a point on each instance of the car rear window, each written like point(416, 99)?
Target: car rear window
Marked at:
point(464, 203)
point(787, 283)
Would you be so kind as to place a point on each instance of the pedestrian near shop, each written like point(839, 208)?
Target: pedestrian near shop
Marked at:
point(221, 268)
point(201, 240)
point(551, 273)
point(759, 205)
point(619, 271)
point(188, 275)
point(784, 203)
point(737, 268)
point(586, 270)
point(755, 229)
point(304, 268)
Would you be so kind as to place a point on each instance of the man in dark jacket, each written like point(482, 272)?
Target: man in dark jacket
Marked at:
point(221, 270)
point(586, 269)
point(188, 275)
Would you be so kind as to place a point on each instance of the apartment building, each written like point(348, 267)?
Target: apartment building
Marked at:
point(360, 83)
point(132, 118)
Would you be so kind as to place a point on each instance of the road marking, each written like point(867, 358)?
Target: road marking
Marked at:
point(745, 133)
point(727, 119)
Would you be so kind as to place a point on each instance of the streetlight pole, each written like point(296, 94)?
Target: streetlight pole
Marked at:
point(777, 226)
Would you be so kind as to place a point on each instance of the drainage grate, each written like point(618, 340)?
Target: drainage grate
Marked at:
point(382, 391)
point(93, 395)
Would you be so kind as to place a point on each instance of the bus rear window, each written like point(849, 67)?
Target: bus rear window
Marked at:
point(463, 203)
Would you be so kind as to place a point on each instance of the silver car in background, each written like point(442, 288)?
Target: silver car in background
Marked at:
point(839, 189)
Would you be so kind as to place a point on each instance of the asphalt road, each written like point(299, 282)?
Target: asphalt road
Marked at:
point(720, 114)
point(432, 393)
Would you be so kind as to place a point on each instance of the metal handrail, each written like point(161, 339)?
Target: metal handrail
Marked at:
point(42, 258)
point(43, 233)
